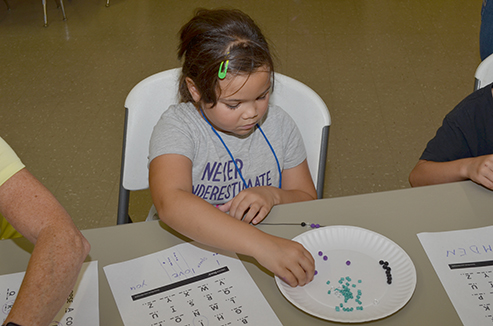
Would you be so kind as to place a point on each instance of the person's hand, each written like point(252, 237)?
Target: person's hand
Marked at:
point(480, 170)
point(287, 259)
point(252, 205)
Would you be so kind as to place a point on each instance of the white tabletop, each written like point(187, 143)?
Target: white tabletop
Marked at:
point(398, 215)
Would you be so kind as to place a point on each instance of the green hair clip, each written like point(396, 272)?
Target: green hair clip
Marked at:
point(222, 73)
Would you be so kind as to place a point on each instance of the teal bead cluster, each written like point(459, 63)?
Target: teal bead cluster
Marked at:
point(345, 289)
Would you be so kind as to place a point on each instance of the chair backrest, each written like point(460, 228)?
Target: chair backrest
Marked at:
point(152, 96)
point(484, 73)
point(312, 117)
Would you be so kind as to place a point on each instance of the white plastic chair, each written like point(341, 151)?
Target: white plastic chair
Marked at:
point(484, 73)
point(152, 96)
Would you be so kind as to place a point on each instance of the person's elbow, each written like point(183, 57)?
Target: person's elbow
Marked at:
point(412, 178)
point(80, 247)
point(86, 247)
point(417, 177)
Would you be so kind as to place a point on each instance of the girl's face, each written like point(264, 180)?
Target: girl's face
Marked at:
point(242, 101)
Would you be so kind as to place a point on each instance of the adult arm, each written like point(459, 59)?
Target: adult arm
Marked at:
point(170, 180)
point(59, 249)
point(478, 169)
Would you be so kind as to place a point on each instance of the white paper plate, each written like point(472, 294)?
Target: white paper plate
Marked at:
point(352, 254)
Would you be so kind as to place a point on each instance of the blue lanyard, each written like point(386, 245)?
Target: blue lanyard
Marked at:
point(233, 159)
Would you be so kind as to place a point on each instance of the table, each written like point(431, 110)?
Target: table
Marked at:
point(398, 215)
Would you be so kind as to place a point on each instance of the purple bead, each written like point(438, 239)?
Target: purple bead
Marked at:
point(348, 263)
point(317, 225)
point(312, 226)
point(325, 257)
point(316, 272)
point(320, 253)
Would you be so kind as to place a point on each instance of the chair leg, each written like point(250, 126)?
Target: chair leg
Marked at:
point(59, 5)
point(8, 7)
point(63, 10)
point(44, 12)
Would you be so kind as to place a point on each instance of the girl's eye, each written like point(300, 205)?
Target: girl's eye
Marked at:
point(263, 97)
point(233, 106)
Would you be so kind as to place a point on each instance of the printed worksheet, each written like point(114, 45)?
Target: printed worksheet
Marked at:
point(463, 261)
point(188, 284)
point(81, 307)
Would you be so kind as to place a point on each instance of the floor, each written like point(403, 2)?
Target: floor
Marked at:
point(389, 70)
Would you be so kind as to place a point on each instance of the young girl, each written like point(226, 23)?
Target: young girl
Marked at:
point(223, 145)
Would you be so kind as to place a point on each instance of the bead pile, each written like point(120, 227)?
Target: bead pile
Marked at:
point(346, 289)
point(385, 265)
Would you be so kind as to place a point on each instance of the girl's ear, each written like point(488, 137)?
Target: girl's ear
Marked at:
point(193, 90)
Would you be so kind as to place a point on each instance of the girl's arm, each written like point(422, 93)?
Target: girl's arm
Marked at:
point(253, 204)
point(170, 180)
point(478, 169)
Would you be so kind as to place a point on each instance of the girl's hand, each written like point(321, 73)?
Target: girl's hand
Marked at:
point(287, 259)
point(253, 204)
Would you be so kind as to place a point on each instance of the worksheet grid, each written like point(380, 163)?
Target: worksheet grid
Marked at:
point(210, 302)
point(479, 285)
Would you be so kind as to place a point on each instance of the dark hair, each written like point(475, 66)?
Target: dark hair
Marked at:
point(213, 36)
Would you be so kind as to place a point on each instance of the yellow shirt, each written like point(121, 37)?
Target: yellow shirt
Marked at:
point(10, 164)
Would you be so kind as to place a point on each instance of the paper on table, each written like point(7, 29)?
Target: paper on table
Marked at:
point(463, 260)
point(81, 307)
point(188, 284)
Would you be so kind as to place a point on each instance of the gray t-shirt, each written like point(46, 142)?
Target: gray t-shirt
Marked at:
point(182, 130)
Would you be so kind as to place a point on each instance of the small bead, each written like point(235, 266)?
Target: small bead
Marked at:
point(303, 224)
point(320, 253)
point(325, 257)
point(348, 263)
